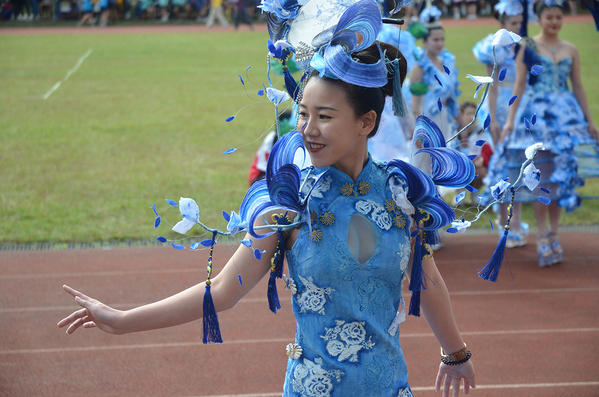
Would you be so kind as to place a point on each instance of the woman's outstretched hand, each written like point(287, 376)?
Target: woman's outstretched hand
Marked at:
point(452, 375)
point(93, 314)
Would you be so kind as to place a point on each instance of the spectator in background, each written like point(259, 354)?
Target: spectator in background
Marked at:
point(216, 12)
point(469, 6)
point(164, 14)
point(242, 15)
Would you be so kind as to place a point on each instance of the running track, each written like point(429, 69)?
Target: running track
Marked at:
point(533, 333)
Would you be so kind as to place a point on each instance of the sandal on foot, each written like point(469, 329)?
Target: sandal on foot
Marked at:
point(556, 248)
point(544, 252)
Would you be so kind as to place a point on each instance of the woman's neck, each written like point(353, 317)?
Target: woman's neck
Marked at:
point(549, 38)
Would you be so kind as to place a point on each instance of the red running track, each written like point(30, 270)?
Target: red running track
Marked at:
point(533, 333)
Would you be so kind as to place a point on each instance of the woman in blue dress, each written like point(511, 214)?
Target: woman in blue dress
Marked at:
point(440, 102)
point(348, 242)
point(558, 118)
point(509, 14)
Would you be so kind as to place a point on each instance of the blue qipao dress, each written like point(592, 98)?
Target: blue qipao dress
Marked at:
point(349, 289)
point(448, 93)
point(571, 151)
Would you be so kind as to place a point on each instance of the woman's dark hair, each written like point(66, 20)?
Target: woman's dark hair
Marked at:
point(364, 99)
point(540, 6)
point(429, 30)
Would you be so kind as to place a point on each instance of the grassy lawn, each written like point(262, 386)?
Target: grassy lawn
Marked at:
point(143, 119)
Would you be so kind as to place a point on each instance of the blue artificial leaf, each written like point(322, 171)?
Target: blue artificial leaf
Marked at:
point(229, 119)
point(248, 67)
point(206, 243)
point(229, 151)
point(470, 189)
point(544, 200)
point(544, 189)
point(502, 74)
point(472, 156)
point(512, 99)
point(246, 242)
point(239, 278)
point(161, 239)
point(439, 104)
point(154, 208)
point(533, 119)
point(260, 92)
point(257, 254)
point(536, 70)
point(438, 81)
point(242, 83)
point(177, 246)
point(460, 197)
point(480, 142)
point(476, 92)
point(271, 46)
point(527, 124)
point(414, 233)
point(487, 122)
point(171, 202)
point(452, 230)
point(446, 69)
point(226, 216)
point(157, 222)
point(194, 246)
point(492, 227)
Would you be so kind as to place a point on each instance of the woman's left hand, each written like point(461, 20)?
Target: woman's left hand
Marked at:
point(452, 375)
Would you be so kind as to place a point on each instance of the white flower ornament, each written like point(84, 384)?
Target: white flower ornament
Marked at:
point(191, 215)
point(505, 38)
point(532, 150)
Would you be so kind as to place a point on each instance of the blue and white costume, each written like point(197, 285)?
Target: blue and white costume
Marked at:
point(349, 288)
point(571, 152)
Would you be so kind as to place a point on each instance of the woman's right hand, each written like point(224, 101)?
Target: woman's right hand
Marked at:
point(495, 131)
point(93, 314)
point(506, 131)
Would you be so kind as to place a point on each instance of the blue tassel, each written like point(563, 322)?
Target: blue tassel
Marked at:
point(290, 83)
point(399, 106)
point(210, 320)
point(416, 279)
point(276, 271)
point(490, 271)
point(273, 295)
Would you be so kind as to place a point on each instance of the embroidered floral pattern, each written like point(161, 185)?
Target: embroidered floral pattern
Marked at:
point(400, 221)
point(328, 218)
point(345, 340)
point(322, 185)
point(379, 374)
point(313, 217)
point(290, 284)
point(405, 392)
point(377, 213)
point(311, 380)
point(316, 235)
point(313, 298)
point(363, 188)
point(390, 205)
point(348, 189)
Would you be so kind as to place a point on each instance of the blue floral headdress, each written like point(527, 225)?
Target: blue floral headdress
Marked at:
point(511, 8)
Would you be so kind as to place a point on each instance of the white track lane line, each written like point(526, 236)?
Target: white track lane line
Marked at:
point(416, 389)
point(283, 340)
point(66, 77)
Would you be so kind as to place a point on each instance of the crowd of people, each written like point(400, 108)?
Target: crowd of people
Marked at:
point(202, 11)
point(103, 12)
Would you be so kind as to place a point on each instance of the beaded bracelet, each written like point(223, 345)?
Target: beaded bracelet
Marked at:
point(457, 358)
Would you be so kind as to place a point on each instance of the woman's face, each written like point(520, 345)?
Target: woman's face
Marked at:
point(332, 133)
point(513, 24)
point(551, 20)
point(435, 43)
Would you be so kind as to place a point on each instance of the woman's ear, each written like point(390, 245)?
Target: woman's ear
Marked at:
point(368, 122)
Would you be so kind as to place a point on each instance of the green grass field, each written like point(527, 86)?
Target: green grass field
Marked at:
point(143, 119)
